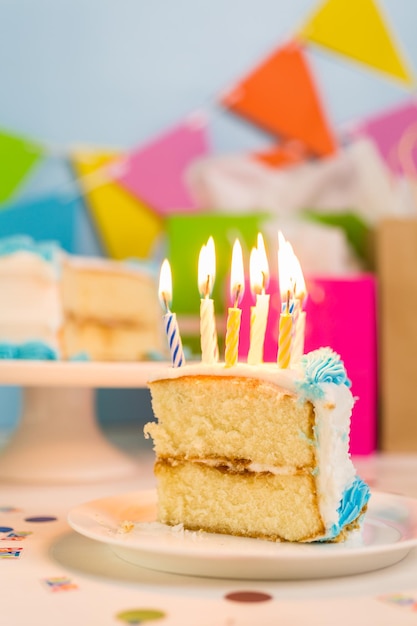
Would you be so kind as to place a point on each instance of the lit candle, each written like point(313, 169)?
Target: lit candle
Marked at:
point(285, 335)
point(285, 273)
point(300, 294)
point(259, 277)
point(170, 319)
point(237, 288)
point(208, 332)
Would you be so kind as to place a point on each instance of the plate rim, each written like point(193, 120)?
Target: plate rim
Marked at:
point(81, 373)
point(119, 540)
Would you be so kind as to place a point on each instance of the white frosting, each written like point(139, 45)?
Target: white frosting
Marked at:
point(29, 296)
point(270, 372)
point(335, 471)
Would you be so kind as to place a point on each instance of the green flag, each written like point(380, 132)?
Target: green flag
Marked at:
point(17, 157)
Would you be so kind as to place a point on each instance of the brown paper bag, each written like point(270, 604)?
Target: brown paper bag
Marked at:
point(396, 249)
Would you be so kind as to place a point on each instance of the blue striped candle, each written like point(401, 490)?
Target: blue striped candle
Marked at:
point(170, 319)
point(174, 339)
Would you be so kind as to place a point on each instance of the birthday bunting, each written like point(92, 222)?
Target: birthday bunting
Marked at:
point(155, 173)
point(17, 157)
point(394, 133)
point(126, 225)
point(281, 96)
point(357, 29)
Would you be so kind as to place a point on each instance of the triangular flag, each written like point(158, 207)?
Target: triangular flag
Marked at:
point(281, 96)
point(17, 157)
point(49, 217)
point(126, 226)
point(394, 132)
point(156, 172)
point(357, 29)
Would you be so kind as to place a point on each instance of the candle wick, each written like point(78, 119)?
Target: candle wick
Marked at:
point(288, 301)
point(238, 290)
point(263, 282)
point(207, 289)
point(165, 301)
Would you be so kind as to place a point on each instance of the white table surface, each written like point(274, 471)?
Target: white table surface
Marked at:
point(100, 588)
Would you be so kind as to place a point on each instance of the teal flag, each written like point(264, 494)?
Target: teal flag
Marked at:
point(48, 218)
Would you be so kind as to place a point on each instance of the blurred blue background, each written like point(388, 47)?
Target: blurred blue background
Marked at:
point(107, 73)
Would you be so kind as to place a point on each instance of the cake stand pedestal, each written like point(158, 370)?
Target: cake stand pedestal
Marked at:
point(59, 439)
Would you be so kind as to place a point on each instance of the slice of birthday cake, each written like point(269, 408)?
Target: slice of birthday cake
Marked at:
point(60, 306)
point(257, 451)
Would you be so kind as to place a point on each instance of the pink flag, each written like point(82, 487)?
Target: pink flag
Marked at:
point(155, 173)
point(395, 134)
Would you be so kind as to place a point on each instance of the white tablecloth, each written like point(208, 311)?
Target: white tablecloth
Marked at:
point(51, 575)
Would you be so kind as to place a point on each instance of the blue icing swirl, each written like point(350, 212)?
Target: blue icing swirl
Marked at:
point(353, 500)
point(321, 366)
point(30, 351)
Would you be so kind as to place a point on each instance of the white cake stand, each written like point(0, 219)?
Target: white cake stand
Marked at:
point(59, 439)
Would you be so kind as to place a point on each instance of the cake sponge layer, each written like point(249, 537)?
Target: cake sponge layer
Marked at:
point(108, 291)
point(235, 418)
point(264, 505)
point(123, 342)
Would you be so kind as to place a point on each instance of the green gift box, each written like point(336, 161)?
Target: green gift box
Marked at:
point(186, 234)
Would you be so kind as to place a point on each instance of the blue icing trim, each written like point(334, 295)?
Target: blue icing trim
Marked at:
point(80, 356)
point(8, 351)
point(30, 351)
point(351, 505)
point(47, 250)
point(321, 366)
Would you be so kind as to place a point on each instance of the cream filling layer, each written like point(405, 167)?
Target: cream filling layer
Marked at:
point(256, 468)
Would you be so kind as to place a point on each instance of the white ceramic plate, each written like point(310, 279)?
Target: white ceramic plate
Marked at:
point(389, 533)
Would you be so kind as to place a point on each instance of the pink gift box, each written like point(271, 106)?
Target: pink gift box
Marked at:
point(340, 313)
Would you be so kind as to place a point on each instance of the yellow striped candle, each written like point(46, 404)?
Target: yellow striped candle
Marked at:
point(284, 339)
point(237, 288)
point(232, 336)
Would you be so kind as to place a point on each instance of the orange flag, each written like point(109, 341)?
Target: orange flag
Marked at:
point(282, 155)
point(357, 29)
point(280, 96)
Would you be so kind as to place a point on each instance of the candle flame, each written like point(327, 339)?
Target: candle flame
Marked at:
point(206, 268)
point(300, 286)
point(165, 285)
point(237, 278)
point(258, 267)
point(289, 271)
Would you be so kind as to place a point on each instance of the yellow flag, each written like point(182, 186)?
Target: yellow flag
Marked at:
point(357, 29)
point(127, 226)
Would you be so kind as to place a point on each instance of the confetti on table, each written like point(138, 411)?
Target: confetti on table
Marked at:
point(59, 583)
point(248, 596)
point(17, 536)
point(139, 616)
point(43, 518)
point(10, 553)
